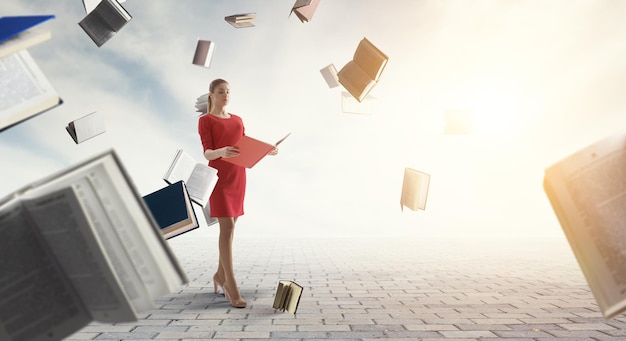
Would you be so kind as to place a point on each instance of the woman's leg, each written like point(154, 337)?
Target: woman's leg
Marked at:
point(220, 275)
point(227, 230)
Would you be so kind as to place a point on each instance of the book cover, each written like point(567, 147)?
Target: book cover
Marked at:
point(360, 74)
point(19, 71)
point(330, 76)
point(288, 295)
point(587, 191)
point(86, 127)
point(172, 209)
point(305, 9)
point(11, 26)
point(204, 53)
point(251, 151)
point(414, 189)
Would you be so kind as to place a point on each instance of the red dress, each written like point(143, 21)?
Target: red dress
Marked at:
point(228, 194)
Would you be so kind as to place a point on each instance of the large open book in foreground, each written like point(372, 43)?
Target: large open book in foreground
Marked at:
point(199, 178)
point(251, 151)
point(360, 74)
point(587, 191)
point(25, 91)
point(80, 246)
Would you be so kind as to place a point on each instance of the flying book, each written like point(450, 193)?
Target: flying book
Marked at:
point(26, 91)
point(86, 127)
point(457, 122)
point(241, 20)
point(80, 246)
point(199, 178)
point(19, 32)
point(360, 74)
point(587, 191)
point(414, 189)
point(251, 151)
point(350, 105)
point(104, 21)
point(90, 5)
point(173, 209)
point(305, 9)
point(204, 53)
point(288, 294)
point(330, 76)
point(202, 103)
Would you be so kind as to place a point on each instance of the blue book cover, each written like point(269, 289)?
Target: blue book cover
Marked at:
point(11, 26)
point(172, 209)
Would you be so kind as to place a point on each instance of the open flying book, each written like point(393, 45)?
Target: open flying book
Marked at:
point(24, 89)
point(587, 191)
point(251, 151)
point(80, 246)
point(414, 189)
point(104, 21)
point(202, 103)
point(199, 178)
point(86, 127)
point(19, 32)
point(204, 53)
point(305, 9)
point(288, 294)
point(360, 74)
point(172, 209)
point(241, 20)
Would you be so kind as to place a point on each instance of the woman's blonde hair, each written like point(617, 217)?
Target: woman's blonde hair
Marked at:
point(212, 87)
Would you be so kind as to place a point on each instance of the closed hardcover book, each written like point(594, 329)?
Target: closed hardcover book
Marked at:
point(172, 209)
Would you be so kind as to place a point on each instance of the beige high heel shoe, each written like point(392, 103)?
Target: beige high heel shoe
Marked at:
point(238, 303)
point(217, 283)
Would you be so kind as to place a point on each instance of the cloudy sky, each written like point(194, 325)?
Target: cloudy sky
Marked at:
point(542, 78)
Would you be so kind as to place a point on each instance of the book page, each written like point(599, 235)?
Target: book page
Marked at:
point(24, 89)
point(588, 192)
point(37, 300)
point(64, 225)
point(201, 183)
point(370, 59)
point(355, 80)
point(251, 151)
point(88, 126)
point(180, 168)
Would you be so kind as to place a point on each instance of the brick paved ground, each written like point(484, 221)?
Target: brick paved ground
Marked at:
point(367, 289)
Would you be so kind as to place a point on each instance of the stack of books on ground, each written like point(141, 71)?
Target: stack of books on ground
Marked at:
point(241, 20)
point(288, 294)
point(587, 191)
point(86, 127)
point(25, 91)
point(173, 210)
point(104, 20)
point(80, 246)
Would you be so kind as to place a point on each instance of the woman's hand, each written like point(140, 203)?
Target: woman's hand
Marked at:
point(229, 151)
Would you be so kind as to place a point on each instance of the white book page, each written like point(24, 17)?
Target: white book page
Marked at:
point(181, 168)
point(24, 89)
point(89, 126)
point(590, 187)
point(201, 183)
point(37, 301)
point(63, 223)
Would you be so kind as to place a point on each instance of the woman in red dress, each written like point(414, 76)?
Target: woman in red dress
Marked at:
point(219, 131)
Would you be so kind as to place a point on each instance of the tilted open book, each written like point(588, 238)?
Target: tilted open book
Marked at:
point(199, 178)
point(86, 127)
point(173, 210)
point(360, 74)
point(414, 189)
point(587, 191)
point(251, 151)
point(104, 21)
point(288, 294)
point(80, 246)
